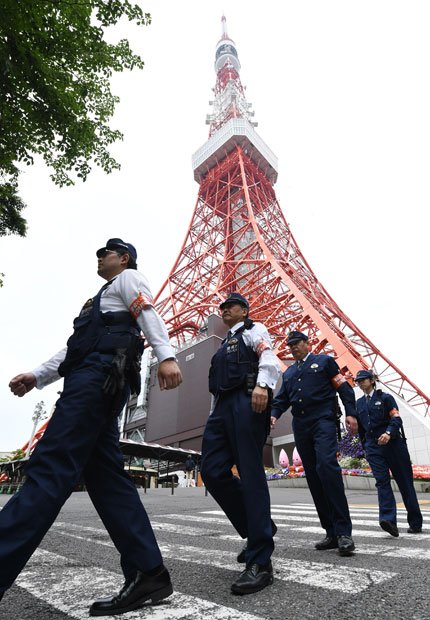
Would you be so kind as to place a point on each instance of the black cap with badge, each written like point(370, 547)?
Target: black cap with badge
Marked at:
point(235, 298)
point(296, 336)
point(119, 245)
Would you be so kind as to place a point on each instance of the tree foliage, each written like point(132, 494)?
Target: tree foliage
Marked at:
point(55, 97)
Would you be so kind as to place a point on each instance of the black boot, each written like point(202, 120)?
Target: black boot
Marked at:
point(345, 545)
point(154, 585)
point(253, 579)
point(241, 558)
point(390, 527)
point(415, 530)
point(329, 542)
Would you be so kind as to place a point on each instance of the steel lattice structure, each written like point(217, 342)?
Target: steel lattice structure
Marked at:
point(239, 240)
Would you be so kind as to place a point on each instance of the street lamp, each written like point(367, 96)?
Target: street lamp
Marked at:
point(38, 415)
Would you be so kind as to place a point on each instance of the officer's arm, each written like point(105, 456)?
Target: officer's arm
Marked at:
point(47, 372)
point(268, 363)
point(135, 293)
point(268, 367)
point(395, 423)
point(361, 432)
point(281, 402)
point(40, 377)
point(346, 394)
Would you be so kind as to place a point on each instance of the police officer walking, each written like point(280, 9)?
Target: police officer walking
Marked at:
point(381, 432)
point(309, 386)
point(242, 375)
point(100, 365)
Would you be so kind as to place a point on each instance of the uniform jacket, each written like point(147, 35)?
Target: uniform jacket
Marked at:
point(313, 387)
point(374, 418)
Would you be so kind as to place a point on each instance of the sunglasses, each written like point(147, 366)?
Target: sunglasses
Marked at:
point(105, 252)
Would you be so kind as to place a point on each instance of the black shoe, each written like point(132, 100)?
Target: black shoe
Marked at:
point(345, 545)
point(135, 592)
point(253, 579)
point(329, 542)
point(390, 527)
point(415, 530)
point(241, 558)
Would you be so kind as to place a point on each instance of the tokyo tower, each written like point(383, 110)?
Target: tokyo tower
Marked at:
point(238, 240)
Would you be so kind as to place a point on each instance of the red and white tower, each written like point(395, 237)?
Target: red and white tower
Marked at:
point(239, 240)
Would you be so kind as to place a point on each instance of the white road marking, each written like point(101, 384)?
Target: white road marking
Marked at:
point(401, 516)
point(71, 588)
point(163, 527)
point(412, 553)
point(278, 518)
point(355, 507)
point(357, 532)
point(317, 574)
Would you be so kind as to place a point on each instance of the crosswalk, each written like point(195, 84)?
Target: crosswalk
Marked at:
point(55, 579)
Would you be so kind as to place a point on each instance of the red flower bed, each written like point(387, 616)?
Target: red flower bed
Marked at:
point(421, 472)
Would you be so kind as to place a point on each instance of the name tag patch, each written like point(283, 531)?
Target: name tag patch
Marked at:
point(86, 308)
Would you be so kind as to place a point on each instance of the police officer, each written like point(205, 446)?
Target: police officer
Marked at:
point(309, 386)
point(381, 431)
point(242, 375)
point(99, 365)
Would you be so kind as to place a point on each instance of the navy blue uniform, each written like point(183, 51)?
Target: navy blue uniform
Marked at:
point(374, 419)
point(311, 393)
point(81, 441)
point(235, 435)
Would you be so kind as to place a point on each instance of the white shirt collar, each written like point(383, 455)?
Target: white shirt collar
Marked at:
point(235, 327)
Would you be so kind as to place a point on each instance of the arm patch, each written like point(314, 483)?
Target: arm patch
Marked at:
point(138, 304)
point(262, 345)
point(394, 413)
point(337, 381)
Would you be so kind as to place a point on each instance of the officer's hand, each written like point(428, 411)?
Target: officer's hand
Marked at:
point(259, 399)
point(273, 421)
point(169, 375)
point(21, 384)
point(351, 424)
point(383, 439)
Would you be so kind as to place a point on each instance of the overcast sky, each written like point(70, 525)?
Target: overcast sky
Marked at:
point(341, 93)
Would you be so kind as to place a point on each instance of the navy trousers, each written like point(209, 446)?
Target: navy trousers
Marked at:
point(316, 442)
point(394, 456)
point(81, 441)
point(235, 435)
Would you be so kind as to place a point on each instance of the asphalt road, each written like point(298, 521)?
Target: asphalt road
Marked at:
point(387, 578)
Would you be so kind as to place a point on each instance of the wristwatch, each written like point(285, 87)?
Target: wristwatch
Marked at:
point(388, 432)
point(263, 385)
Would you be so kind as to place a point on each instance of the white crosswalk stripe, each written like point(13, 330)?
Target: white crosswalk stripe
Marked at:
point(280, 518)
point(56, 580)
point(318, 574)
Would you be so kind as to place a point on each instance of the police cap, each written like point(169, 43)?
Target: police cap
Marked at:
point(296, 336)
point(364, 374)
point(119, 245)
point(235, 298)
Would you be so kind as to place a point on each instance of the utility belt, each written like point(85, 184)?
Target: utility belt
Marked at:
point(299, 410)
point(247, 385)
